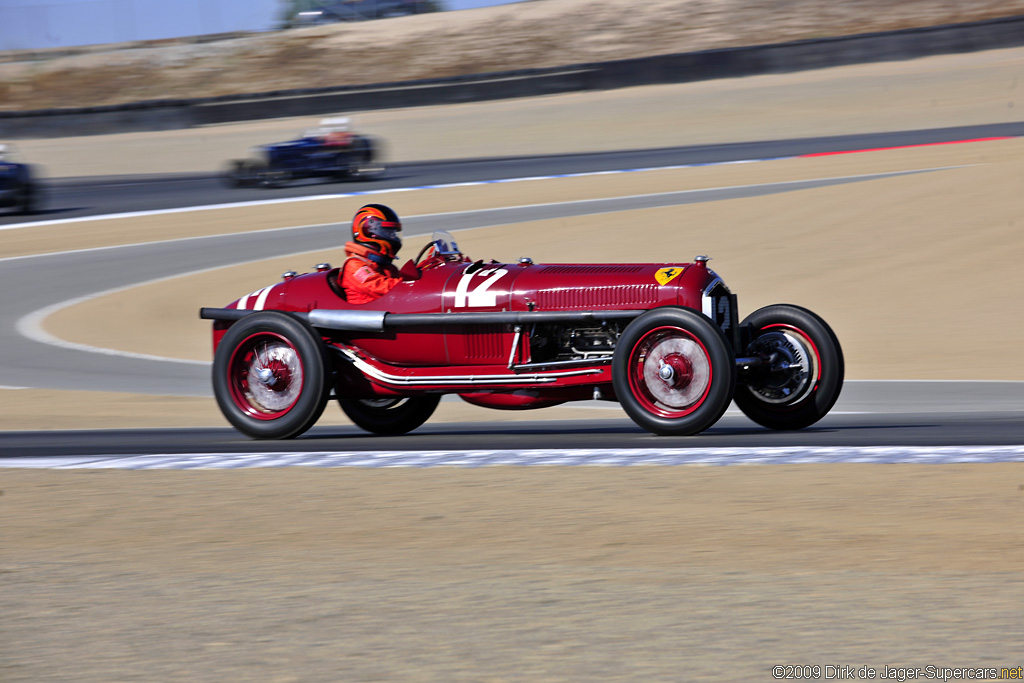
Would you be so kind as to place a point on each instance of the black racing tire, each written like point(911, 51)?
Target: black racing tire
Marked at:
point(346, 165)
point(796, 397)
point(270, 177)
point(673, 371)
point(28, 199)
point(360, 161)
point(390, 416)
point(240, 173)
point(294, 392)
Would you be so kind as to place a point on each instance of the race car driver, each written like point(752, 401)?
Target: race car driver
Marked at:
point(377, 236)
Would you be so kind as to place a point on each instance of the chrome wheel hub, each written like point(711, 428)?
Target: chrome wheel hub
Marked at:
point(676, 372)
point(275, 377)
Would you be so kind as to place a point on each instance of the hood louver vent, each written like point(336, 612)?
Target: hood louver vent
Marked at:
point(598, 297)
point(591, 270)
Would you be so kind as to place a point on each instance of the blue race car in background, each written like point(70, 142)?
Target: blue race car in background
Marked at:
point(328, 151)
point(18, 188)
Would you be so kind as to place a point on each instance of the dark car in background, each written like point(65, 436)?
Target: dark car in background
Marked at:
point(329, 151)
point(361, 10)
point(19, 189)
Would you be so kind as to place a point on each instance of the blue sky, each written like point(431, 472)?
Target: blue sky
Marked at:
point(33, 24)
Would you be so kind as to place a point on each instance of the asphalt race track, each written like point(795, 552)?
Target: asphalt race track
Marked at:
point(28, 363)
point(936, 437)
point(76, 198)
point(869, 415)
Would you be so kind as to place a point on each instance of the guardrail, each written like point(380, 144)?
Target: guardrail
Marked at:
point(674, 68)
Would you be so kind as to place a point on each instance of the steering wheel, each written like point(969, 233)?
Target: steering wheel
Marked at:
point(427, 247)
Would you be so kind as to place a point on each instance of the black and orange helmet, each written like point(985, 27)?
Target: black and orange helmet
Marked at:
point(379, 228)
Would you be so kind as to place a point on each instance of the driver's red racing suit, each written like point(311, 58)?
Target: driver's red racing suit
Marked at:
point(363, 280)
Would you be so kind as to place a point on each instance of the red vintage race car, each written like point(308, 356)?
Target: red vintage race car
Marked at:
point(661, 339)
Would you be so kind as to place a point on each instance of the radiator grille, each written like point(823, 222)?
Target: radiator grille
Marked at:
point(484, 342)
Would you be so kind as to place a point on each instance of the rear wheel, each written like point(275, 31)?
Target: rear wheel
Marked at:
point(801, 371)
point(673, 372)
point(270, 376)
point(28, 199)
point(390, 416)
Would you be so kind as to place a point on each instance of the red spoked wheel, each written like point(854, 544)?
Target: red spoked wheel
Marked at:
point(673, 372)
point(270, 376)
point(265, 376)
point(801, 368)
point(669, 372)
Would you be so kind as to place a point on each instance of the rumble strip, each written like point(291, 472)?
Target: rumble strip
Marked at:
point(613, 457)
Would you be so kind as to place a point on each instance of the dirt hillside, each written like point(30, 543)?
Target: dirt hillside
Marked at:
point(540, 33)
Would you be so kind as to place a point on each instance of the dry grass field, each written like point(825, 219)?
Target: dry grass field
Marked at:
point(540, 33)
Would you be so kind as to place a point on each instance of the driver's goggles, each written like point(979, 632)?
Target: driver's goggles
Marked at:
point(388, 231)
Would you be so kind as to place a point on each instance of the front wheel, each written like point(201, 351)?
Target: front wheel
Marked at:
point(673, 371)
point(270, 176)
point(390, 416)
point(361, 161)
point(270, 376)
point(801, 368)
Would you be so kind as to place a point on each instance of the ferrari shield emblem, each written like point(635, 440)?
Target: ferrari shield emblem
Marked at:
point(665, 275)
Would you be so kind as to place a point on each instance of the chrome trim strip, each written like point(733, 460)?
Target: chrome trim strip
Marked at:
point(386, 378)
point(564, 363)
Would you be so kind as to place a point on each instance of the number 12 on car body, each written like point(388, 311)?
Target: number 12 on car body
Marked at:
point(480, 296)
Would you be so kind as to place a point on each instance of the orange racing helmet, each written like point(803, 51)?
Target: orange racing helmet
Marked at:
point(378, 227)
